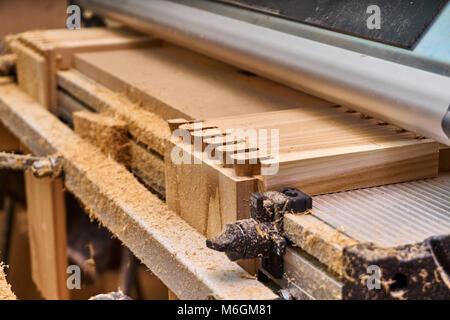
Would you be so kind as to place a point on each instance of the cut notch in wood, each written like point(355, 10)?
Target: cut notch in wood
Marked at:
point(247, 163)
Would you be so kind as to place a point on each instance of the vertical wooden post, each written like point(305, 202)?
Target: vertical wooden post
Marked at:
point(48, 239)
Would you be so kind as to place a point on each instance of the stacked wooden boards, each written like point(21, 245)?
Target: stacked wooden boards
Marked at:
point(170, 82)
point(41, 53)
point(321, 150)
point(330, 149)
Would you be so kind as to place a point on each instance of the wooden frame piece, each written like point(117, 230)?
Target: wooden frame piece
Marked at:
point(48, 235)
point(41, 53)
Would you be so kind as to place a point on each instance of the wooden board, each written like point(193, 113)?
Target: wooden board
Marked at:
point(330, 149)
point(206, 195)
point(47, 230)
point(172, 250)
point(42, 52)
point(32, 72)
point(146, 163)
point(177, 83)
point(322, 150)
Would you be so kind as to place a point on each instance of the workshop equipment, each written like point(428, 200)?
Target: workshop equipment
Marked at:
point(40, 166)
point(262, 235)
point(371, 160)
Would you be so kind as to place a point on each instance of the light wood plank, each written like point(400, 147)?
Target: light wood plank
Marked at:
point(328, 149)
point(47, 231)
point(32, 72)
point(205, 194)
point(177, 83)
point(42, 52)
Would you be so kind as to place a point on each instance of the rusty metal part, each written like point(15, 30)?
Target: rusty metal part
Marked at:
point(261, 236)
point(415, 271)
point(51, 166)
point(248, 239)
point(272, 205)
point(48, 167)
point(16, 161)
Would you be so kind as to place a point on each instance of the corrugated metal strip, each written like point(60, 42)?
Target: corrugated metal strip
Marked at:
point(389, 215)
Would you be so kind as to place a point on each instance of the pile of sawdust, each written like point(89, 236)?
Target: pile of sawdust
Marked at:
point(5, 288)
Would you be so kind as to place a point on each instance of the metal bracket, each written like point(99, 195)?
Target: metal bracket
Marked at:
point(261, 236)
point(51, 166)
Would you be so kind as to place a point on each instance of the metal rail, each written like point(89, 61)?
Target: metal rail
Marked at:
point(410, 98)
point(392, 215)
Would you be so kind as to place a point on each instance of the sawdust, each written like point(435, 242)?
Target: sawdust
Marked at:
point(109, 134)
point(5, 287)
point(318, 239)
